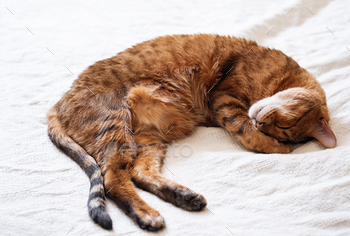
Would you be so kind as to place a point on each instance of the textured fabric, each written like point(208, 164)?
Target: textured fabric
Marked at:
point(46, 44)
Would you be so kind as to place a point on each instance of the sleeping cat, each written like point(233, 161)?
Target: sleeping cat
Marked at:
point(161, 90)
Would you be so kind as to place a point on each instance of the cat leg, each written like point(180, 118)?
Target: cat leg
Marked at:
point(233, 116)
point(146, 175)
point(120, 189)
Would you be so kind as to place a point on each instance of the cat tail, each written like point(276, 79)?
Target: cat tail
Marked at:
point(97, 199)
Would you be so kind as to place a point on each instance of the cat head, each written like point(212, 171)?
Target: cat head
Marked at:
point(296, 115)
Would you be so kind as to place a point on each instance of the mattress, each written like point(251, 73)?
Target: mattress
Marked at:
point(45, 45)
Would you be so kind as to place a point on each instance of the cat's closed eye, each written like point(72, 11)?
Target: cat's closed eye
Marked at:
point(281, 127)
point(293, 115)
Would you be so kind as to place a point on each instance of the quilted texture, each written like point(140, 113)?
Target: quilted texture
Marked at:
point(46, 44)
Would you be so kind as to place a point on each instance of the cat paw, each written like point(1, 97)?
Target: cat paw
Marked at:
point(149, 220)
point(189, 200)
point(288, 148)
point(281, 148)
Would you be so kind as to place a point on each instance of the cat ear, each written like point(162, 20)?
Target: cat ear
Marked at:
point(323, 133)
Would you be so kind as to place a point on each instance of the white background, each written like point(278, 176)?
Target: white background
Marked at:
point(45, 45)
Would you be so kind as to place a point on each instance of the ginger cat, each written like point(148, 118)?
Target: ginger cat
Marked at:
point(161, 90)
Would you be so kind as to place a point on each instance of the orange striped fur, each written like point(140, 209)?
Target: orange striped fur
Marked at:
point(161, 90)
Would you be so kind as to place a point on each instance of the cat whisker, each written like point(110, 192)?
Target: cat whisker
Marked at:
point(290, 99)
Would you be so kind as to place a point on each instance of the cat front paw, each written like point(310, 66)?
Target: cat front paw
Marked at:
point(268, 145)
point(283, 148)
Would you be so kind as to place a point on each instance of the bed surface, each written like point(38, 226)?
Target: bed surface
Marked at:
point(45, 45)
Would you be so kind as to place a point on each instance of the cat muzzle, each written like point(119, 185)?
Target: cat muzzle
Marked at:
point(259, 125)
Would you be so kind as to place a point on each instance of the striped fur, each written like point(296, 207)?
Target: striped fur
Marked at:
point(161, 90)
point(97, 200)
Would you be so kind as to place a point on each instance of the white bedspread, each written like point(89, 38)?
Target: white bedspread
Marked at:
point(46, 44)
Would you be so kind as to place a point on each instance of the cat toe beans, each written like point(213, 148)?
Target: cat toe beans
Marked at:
point(149, 220)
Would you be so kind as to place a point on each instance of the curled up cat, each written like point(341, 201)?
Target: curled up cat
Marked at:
point(161, 90)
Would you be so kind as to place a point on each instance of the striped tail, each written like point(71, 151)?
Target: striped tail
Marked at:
point(97, 199)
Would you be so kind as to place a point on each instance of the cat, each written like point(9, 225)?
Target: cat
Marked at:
point(161, 90)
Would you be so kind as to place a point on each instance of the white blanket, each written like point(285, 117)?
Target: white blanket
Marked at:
point(46, 44)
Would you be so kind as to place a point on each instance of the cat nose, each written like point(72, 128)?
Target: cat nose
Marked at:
point(259, 125)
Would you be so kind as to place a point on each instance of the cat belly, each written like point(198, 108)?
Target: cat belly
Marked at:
point(161, 115)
